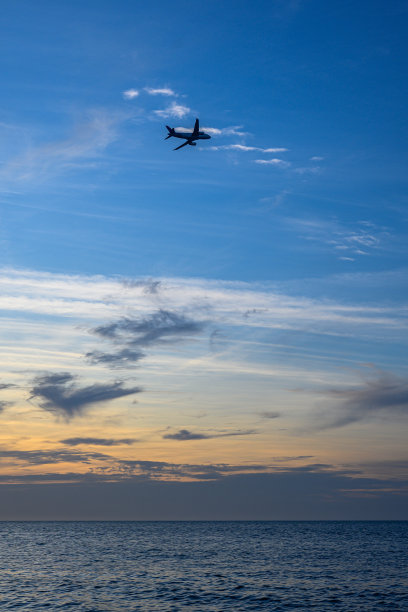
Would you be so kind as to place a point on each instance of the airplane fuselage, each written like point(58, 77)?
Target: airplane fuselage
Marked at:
point(191, 136)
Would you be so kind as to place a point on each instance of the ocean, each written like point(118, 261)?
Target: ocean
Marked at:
point(204, 566)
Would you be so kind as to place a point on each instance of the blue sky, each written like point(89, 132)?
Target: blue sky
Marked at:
point(269, 263)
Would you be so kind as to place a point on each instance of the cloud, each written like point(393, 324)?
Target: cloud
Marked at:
point(162, 327)
point(233, 147)
point(124, 357)
point(58, 310)
point(316, 158)
point(42, 457)
point(173, 110)
point(275, 150)
point(98, 441)
point(185, 434)
point(385, 396)
point(161, 470)
point(245, 148)
point(90, 138)
point(59, 394)
point(3, 403)
point(234, 130)
point(213, 492)
point(281, 163)
point(161, 91)
point(269, 414)
point(130, 94)
point(361, 239)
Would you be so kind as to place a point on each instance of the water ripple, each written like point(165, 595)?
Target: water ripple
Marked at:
point(196, 566)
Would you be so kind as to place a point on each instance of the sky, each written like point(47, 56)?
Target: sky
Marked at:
point(218, 332)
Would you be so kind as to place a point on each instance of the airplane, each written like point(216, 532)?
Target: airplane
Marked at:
point(189, 136)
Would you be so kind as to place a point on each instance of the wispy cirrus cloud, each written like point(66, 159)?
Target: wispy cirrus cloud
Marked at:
point(275, 161)
point(192, 302)
point(160, 91)
point(384, 395)
point(91, 136)
point(234, 130)
point(245, 148)
point(173, 110)
point(347, 242)
point(307, 170)
point(58, 393)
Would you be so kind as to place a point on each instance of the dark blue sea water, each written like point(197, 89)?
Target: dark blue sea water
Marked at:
point(200, 566)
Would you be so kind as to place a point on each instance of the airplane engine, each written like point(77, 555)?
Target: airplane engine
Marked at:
point(193, 144)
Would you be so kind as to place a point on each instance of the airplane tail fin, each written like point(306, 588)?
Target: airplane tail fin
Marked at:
point(170, 132)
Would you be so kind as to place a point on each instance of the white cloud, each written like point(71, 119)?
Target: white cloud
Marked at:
point(232, 147)
point(233, 303)
point(234, 130)
point(129, 94)
point(240, 147)
point(275, 150)
point(161, 91)
point(173, 110)
point(316, 158)
point(273, 162)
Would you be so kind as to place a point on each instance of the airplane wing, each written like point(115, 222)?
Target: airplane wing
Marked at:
point(183, 145)
point(196, 128)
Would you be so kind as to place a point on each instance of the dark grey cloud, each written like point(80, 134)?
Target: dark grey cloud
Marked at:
point(125, 357)
point(58, 393)
point(149, 286)
point(269, 414)
point(40, 457)
point(398, 467)
point(286, 495)
point(4, 403)
point(163, 470)
point(185, 434)
point(296, 458)
point(98, 441)
point(133, 334)
point(161, 326)
point(384, 396)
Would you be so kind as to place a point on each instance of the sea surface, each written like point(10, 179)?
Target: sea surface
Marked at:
point(200, 566)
